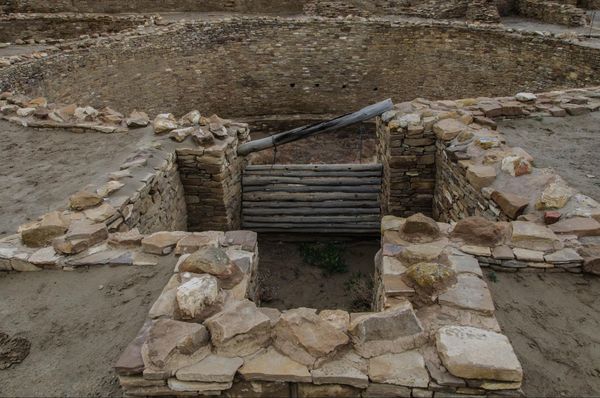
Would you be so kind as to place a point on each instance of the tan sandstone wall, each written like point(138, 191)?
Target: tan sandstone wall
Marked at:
point(268, 66)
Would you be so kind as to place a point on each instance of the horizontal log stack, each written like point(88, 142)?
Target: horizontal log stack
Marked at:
point(311, 198)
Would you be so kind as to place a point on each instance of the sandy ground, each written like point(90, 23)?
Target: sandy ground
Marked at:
point(40, 168)
point(553, 323)
point(77, 330)
point(570, 145)
point(295, 284)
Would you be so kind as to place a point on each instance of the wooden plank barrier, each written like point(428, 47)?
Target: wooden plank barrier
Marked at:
point(312, 198)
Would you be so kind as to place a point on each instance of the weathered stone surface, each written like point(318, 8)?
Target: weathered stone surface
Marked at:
point(532, 236)
point(511, 204)
point(196, 297)
point(80, 236)
point(273, 313)
point(131, 238)
point(591, 259)
point(438, 373)
point(214, 261)
point(405, 369)
point(528, 255)
point(481, 176)
point(555, 196)
point(100, 213)
point(420, 253)
point(434, 317)
point(448, 129)
point(246, 240)
point(503, 253)
point(131, 362)
point(194, 386)
point(273, 366)
point(349, 369)
point(166, 337)
point(129, 382)
point(465, 264)
point(387, 325)
point(166, 304)
point(162, 243)
point(420, 228)
point(566, 255)
point(181, 134)
point(41, 233)
point(516, 166)
point(84, 200)
point(579, 226)
point(429, 278)
point(392, 266)
point(194, 242)
point(212, 369)
point(240, 330)
point(525, 97)
point(257, 389)
point(305, 337)
point(481, 251)
point(339, 319)
point(46, 256)
point(470, 292)
point(164, 123)
point(474, 353)
point(137, 119)
point(479, 231)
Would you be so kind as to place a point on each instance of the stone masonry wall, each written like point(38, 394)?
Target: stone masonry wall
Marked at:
point(270, 66)
point(120, 6)
point(552, 12)
point(407, 152)
point(61, 26)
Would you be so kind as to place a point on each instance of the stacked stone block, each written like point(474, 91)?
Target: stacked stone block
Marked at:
point(556, 12)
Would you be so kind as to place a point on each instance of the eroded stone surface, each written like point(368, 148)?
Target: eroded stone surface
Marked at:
point(212, 369)
point(477, 354)
point(405, 369)
point(273, 366)
point(470, 292)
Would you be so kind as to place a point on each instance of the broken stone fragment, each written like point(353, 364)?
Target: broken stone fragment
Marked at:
point(420, 228)
point(81, 236)
point(131, 362)
point(212, 369)
point(305, 337)
point(202, 137)
point(529, 255)
point(131, 238)
point(25, 112)
point(481, 176)
point(86, 114)
point(194, 242)
point(181, 134)
point(512, 205)
point(273, 366)
point(516, 166)
point(339, 319)
point(162, 243)
point(473, 353)
point(405, 369)
point(246, 240)
point(41, 233)
point(349, 369)
point(167, 337)
point(563, 256)
point(448, 129)
point(532, 236)
point(552, 217)
point(479, 231)
point(429, 279)
point(525, 97)
point(555, 196)
point(137, 119)
point(591, 259)
point(420, 253)
point(239, 330)
point(164, 123)
point(196, 297)
point(45, 257)
point(214, 261)
point(190, 119)
point(579, 226)
point(84, 200)
point(471, 293)
point(109, 188)
point(101, 213)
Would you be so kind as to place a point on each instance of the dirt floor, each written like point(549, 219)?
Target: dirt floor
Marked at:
point(570, 145)
point(78, 324)
point(291, 283)
point(553, 323)
point(40, 168)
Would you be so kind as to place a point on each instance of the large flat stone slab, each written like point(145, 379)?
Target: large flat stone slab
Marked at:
point(273, 366)
point(532, 236)
point(470, 292)
point(212, 369)
point(405, 369)
point(474, 353)
point(350, 370)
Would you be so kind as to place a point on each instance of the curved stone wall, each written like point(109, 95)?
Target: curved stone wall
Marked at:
point(251, 66)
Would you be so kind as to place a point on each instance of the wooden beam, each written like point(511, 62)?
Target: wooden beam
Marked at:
point(313, 188)
point(322, 127)
point(326, 204)
point(250, 181)
point(269, 211)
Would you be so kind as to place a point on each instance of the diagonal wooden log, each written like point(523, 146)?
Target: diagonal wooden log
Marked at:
point(322, 127)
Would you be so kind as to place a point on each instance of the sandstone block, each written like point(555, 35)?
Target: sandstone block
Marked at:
point(80, 236)
point(41, 233)
point(212, 369)
point(196, 296)
point(481, 176)
point(448, 129)
point(270, 365)
point(405, 369)
point(580, 226)
point(470, 292)
point(350, 369)
point(532, 236)
point(306, 390)
point(474, 353)
point(162, 243)
point(213, 261)
point(479, 231)
point(555, 196)
point(164, 123)
point(239, 330)
point(305, 337)
point(137, 119)
point(84, 200)
point(511, 204)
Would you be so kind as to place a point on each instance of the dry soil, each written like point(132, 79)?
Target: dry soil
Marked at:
point(40, 168)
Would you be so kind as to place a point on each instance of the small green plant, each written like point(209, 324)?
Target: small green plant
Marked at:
point(327, 256)
point(493, 276)
point(360, 287)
